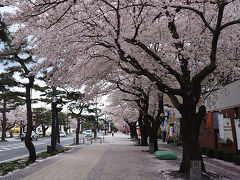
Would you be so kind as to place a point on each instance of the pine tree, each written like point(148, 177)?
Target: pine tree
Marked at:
point(22, 60)
point(9, 99)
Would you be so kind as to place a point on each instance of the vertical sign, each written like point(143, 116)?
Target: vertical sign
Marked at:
point(237, 128)
point(220, 125)
point(227, 129)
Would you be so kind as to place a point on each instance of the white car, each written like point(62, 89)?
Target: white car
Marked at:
point(62, 134)
point(34, 136)
point(88, 133)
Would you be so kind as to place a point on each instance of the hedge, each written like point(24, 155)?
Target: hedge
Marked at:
point(236, 159)
point(218, 154)
point(227, 156)
point(209, 152)
point(203, 149)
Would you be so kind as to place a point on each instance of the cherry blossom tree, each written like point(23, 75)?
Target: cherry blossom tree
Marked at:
point(17, 116)
point(178, 45)
point(77, 106)
point(150, 108)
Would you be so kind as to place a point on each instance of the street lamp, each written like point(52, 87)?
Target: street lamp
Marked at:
point(54, 120)
point(55, 124)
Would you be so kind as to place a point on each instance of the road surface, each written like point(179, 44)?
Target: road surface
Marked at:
point(15, 148)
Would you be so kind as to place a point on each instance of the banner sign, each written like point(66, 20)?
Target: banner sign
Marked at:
point(227, 127)
point(220, 126)
point(237, 128)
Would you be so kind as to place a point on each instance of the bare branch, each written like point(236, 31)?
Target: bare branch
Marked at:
point(198, 13)
point(216, 33)
point(65, 12)
point(230, 24)
point(155, 57)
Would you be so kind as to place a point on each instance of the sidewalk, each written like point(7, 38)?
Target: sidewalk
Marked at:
point(116, 158)
point(224, 169)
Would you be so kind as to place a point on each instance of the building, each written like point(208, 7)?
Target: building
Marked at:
point(221, 129)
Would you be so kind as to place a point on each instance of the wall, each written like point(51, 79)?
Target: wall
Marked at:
point(225, 98)
point(208, 137)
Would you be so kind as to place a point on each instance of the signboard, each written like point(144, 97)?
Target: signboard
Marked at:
point(237, 127)
point(220, 126)
point(227, 127)
point(171, 131)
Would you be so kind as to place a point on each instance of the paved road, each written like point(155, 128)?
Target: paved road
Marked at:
point(15, 148)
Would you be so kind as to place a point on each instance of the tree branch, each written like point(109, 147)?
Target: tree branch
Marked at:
point(65, 12)
point(216, 33)
point(155, 57)
point(198, 13)
point(176, 103)
point(229, 24)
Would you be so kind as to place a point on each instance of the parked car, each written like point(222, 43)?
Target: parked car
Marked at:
point(88, 133)
point(62, 134)
point(34, 136)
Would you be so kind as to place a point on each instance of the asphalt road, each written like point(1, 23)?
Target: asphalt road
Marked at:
point(15, 148)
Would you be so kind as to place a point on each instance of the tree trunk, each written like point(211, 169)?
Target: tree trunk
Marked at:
point(4, 120)
point(21, 129)
point(190, 125)
point(143, 131)
point(66, 130)
point(133, 131)
point(77, 131)
point(153, 136)
point(43, 130)
point(28, 142)
point(152, 127)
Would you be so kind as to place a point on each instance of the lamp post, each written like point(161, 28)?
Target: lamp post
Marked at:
point(105, 124)
point(54, 119)
point(57, 124)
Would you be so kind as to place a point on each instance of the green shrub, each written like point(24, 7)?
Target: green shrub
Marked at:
point(159, 136)
point(236, 159)
point(227, 156)
point(7, 167)
point(218, 154)
point(43, 154)
point(21, 166)
point(27, 163)
point(203, 150)
point(209, 152)
point(61, 151)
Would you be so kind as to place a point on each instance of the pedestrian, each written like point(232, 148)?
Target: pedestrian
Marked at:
point(112, 133)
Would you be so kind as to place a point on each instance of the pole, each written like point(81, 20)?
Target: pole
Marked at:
point(105, 124)
point(57, 127)
point(54, 112)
